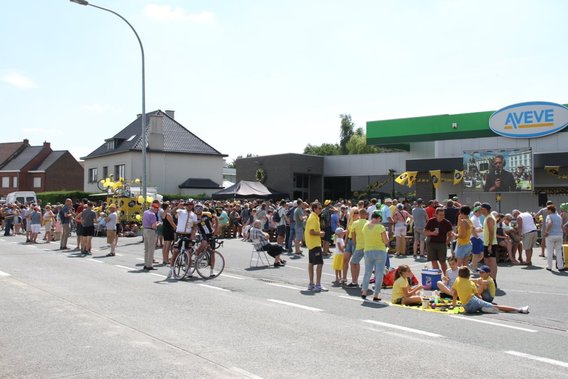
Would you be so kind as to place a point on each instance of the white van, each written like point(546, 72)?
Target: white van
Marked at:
point(22, 197)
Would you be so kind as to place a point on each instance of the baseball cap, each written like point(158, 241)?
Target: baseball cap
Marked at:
point(485, 269)
point(476, 209)
point(486, 206)
point(327, 202)
point(339, 230)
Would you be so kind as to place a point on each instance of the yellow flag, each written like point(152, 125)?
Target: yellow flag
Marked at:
point(436, 176)
point(411, 178)
point(458, 176)
point(552, 170)
point(402, 178)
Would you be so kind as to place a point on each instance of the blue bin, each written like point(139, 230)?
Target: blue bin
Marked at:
point(430, 278)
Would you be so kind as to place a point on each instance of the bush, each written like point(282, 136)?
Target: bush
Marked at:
point(60, 196)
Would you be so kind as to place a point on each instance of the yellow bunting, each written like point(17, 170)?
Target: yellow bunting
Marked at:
point(436, 176)
point(402, 178)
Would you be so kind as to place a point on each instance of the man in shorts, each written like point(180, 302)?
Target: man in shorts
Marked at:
point(359, 242)
point(419, 218)
point(490, 244)
point(313, 235)
point(110, 223)
point(440, 231)
point(527, 233)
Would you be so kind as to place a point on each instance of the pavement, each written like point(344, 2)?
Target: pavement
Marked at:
point(67, 315)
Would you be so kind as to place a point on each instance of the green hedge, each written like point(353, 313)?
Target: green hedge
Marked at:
point(60, 196)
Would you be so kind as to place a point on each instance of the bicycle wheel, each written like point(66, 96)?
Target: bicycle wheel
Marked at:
point(181, 266)
point(203, 265)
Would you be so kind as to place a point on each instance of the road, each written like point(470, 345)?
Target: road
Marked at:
point(93, 317)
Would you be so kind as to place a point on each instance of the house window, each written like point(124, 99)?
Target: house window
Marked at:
point(93, 175)
point(5, 182)
point(37, 182)
point(110, 144)
point(105, 172)
point(118, 171)
point(15, 182)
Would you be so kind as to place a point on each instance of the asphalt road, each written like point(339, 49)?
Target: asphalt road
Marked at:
point(67, 316)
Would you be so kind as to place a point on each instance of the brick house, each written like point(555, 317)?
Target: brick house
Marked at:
point(37, 168)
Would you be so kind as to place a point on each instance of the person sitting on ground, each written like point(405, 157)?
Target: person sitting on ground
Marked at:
point(402, 292)
point(258, 236)
point(466, 290)
point(451, 274)
point(485, 284)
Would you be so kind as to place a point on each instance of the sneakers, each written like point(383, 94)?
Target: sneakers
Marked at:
point(311, 287)
point(319, 288)
point(353, 285)
point(490, 310)
point(170, 274)
point(524, 310)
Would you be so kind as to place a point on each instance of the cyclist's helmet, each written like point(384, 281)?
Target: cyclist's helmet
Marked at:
point(189, 201)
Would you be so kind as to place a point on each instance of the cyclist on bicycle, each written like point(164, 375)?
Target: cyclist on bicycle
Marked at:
point(185, 231)
point(207, 224)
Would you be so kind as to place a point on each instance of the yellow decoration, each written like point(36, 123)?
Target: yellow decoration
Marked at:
point(411, 178)
point(137, 181)
point(140, 199)
point(149, 199)
point(436, 176)
point(402, 178)
point(458, 176)
point(138, 218)
point(552, 170)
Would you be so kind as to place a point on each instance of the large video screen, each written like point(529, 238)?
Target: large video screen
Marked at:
point(508, 170)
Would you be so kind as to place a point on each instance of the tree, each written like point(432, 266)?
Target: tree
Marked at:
point(357, 144)
point(346, 132)
point(323, 149)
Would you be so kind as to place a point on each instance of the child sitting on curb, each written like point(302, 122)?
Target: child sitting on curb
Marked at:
point(485, 284)
point(402, 293)
point(466, 290)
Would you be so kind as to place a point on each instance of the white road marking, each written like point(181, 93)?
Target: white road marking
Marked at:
point(537, 358)
point(540, 293)
point(296, 268)
point(296, 305)
point(244, 373)
point(495, 324)
point(398, 327)
point(140, 259)
point(4, 274)
point(286, 286)
point(233, 277)
point(159, 275)
point(127, 268)
point(356, 298)
point(215, 288)
point(94, 260)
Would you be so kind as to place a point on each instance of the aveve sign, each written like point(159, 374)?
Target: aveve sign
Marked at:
point(529, 120)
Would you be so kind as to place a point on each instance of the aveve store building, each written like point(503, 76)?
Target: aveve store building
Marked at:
point(477, 153)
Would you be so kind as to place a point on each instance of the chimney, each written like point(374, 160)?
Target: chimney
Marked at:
point(26, 141)
point(170, 114)
point(156, 132)
point(46, 144)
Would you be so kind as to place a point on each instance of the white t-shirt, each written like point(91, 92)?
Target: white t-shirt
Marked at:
point(452, 276)
point(185, 221)
point(476, 221)
point(112, 221)
point(340, 245)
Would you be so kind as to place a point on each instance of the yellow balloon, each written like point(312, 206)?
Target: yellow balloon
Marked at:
point(118, 185)
point(137, 181)
point(107, 180)
point(102, 181)
point(121, 179)
point(149, 199)
point(140, 199)
point(138, 218)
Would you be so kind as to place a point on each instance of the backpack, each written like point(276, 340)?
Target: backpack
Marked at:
point(276, 215)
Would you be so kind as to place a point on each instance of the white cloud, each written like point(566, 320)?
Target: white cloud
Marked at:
point(18, 80)
point(167, 13)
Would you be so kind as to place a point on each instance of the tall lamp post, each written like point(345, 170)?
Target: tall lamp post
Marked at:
point(143, 128)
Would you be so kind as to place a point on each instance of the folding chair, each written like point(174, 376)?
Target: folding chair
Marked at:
point(260, 254)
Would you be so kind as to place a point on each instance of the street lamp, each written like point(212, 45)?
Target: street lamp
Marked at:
point(144, 179)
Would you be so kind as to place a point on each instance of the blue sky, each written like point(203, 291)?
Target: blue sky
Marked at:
point(268, 77)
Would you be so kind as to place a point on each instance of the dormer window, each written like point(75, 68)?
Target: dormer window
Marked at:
point(110, 144)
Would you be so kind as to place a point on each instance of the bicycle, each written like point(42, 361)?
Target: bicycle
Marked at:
point(204, 260)
point(182, 266)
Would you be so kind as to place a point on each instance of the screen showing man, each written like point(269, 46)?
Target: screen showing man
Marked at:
point(498, 170)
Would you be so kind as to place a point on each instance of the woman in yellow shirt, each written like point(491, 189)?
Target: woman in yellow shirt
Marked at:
point(376, 239)
point(465, 230)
